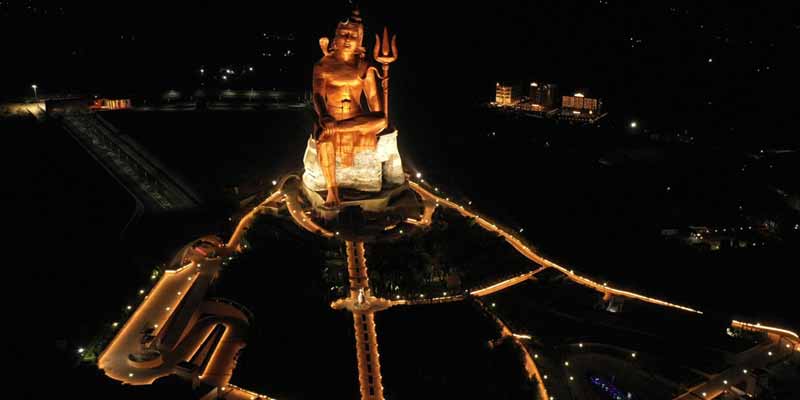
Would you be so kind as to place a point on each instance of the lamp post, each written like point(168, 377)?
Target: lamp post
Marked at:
point(35, 94)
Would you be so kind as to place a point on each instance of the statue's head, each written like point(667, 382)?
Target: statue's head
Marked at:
point(350, 35)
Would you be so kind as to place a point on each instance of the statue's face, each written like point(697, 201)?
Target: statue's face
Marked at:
point(347, 39)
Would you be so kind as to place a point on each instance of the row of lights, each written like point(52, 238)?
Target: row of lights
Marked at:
point(566, 363)
point(572, 272)
point(115, 324)
point(129, 307)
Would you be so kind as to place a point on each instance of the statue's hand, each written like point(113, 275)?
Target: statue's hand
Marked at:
point(328, 125)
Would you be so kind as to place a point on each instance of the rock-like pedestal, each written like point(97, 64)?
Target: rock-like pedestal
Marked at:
point(371, 171)
point(374, 194)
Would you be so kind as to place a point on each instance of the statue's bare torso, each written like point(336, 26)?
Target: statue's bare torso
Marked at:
point(343, 86)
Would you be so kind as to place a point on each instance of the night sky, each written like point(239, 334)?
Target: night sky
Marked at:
point(676, 64)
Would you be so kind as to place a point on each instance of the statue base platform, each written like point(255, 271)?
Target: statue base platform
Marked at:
point(372, 171)
point(369, 202)
point(361, 216)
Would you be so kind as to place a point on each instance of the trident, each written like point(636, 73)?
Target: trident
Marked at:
point(381, 54)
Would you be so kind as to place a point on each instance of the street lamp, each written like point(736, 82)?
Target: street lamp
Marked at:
point(35, 94)
point(633, 124)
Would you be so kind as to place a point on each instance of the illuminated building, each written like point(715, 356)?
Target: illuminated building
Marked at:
point(506, 94)
point(580, 106)
point(110, 104)
point(544, 95)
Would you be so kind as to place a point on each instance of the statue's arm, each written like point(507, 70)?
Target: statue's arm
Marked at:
point(318, 88)
point(324, 120)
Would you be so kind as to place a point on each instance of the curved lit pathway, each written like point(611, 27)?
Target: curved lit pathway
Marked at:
point(188, 284)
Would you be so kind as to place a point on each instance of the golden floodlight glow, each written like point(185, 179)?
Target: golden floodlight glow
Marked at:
point(521, 336)
point(539, 259)
point(759, 327)
point(345, 131)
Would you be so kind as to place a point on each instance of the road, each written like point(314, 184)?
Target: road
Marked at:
point(139, 173)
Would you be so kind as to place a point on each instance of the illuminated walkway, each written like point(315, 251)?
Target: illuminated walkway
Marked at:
point(247, 220)
point(175, 323)
point(178, 322)
point(530, 366)
point(153, 312)
point(782, 343)
point(523, 249)
point(363, 306)
point(176, 330)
